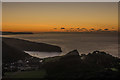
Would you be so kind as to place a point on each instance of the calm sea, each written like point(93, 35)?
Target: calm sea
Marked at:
point(83, 42)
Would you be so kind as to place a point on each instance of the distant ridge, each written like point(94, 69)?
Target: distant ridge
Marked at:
point(10, 33)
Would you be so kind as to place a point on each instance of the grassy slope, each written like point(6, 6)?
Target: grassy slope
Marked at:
point(26, 74)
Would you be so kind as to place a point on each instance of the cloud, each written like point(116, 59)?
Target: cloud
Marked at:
point(92, 29)
point(84, 29)
point(55, 28)
point(106, 29)
point(62, 28)
point(99, 30)
point(113, 28)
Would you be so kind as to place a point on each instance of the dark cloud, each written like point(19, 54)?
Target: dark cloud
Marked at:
point(92, 29)
point(55, 28)
point(62, 28)
point(84, 29)
point(106, 29)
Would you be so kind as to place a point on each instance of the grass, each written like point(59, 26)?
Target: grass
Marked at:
point(114, 69)
point(26, 74)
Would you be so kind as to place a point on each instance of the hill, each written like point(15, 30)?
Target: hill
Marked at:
point(11, 54)
point(25, 45)
point(93, 66)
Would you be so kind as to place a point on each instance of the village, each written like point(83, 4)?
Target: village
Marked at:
point(23, 65)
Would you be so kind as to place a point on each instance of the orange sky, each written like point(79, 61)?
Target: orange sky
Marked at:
point(44, 17)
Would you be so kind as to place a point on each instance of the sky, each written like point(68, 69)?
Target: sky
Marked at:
point(59, 16)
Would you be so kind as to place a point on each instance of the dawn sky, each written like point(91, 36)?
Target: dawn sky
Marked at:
point(49, 17)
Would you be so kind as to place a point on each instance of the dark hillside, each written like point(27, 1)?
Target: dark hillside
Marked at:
point(11, 54)
point(25, 45)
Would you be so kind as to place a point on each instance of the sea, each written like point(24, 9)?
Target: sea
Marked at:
point(84, 42)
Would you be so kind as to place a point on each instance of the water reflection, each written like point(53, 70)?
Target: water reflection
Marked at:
point(42, 54)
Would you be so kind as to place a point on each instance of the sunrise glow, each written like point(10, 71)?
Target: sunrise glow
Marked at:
point(59, 17)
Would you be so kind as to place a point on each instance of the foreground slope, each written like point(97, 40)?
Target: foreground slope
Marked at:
point(93, 66)
point(11, 54)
